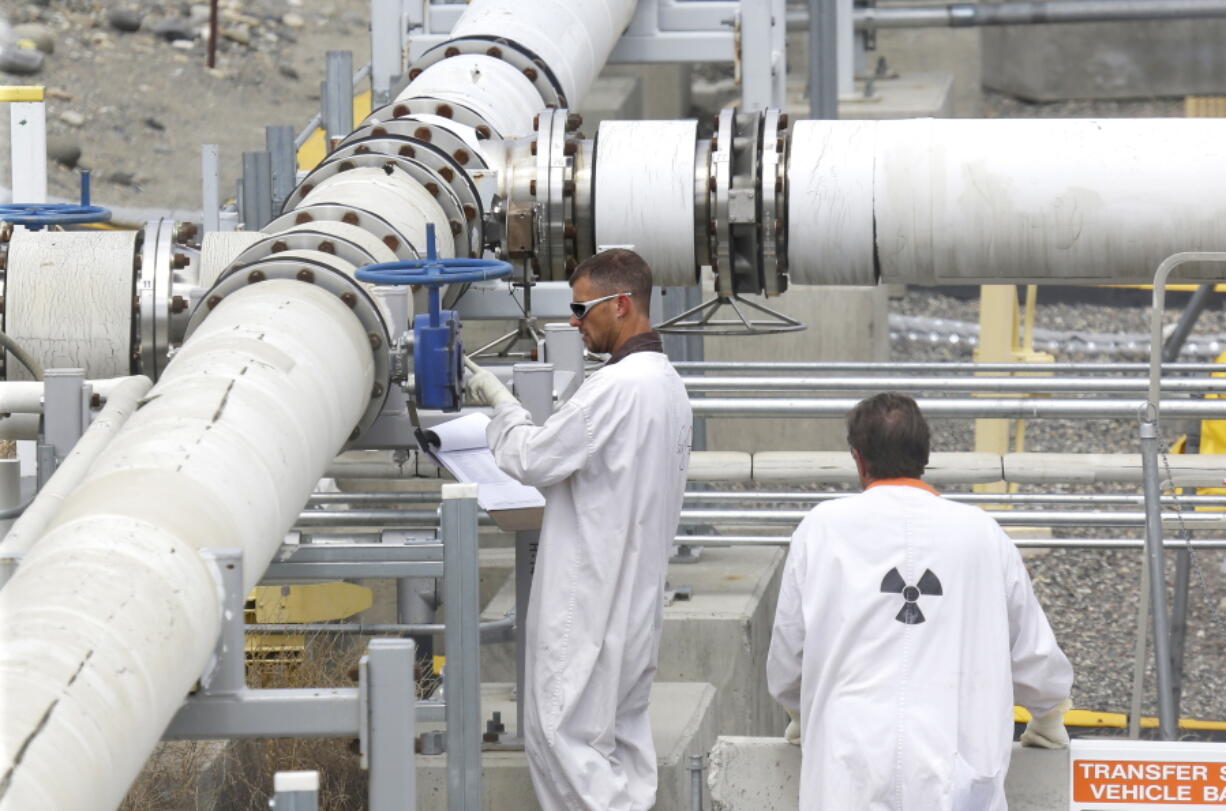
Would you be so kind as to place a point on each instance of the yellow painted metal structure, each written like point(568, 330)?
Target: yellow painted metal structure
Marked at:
point(1001, 342)
point(22, 93)
point(317, 602)
point(1118, 720)
point(314, 149)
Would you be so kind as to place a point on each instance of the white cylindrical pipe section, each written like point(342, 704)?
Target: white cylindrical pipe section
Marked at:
point(68, 300)
point(26, 396)
point(1033, 200)
point(219, 249)
point(395, 197)
point(114, 613)
point(573, 37)
point(830, 203)
point(493, 89)
point(644, 194)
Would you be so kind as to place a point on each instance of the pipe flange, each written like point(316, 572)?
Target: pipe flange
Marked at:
point(153, 293)
point(455, 162)
point(461, 155)
point(305, 241)
point(703, 215)
point(459, 190)
point(514, 54)
point(736, 155)
point(321, 274)
point(336, 164)
point(583, 172)
point(553, 168)
point(773, 234)
point(720, 228)
point(429, 105)
point(334, 212)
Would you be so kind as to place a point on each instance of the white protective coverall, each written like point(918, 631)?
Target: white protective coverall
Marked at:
point(611, 463)
point(906, 630)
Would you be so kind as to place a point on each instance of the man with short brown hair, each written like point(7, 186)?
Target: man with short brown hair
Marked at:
point(611, 463)
point(905, 632)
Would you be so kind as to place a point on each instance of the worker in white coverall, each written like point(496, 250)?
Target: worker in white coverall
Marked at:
point(905, 632)
point(611, 463)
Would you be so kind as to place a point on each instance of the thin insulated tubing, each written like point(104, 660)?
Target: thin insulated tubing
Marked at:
point(932, 367)
point(122, 401)
point(114, 613)
point(1021, 543)
point(1062, 385)
point(949, 408)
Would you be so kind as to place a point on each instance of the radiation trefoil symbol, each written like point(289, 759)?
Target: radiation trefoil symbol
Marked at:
point(910, 613)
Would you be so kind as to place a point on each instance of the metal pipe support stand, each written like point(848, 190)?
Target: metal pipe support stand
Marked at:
point(380, 711)
point(1167, 718)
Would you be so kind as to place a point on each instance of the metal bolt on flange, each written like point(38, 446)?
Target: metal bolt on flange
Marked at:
point(213, 302)
point(350, 300)
point(255, 276)
point(306, 275)
point(178, 304)
point(375, 340)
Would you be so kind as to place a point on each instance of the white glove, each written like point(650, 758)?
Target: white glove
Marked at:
point(1047, 731)
point(482, 386)
point(792, 733)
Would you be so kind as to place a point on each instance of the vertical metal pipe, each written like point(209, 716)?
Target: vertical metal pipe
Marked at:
point(392, 706)
point(337, 98)
point(295, 791)
point(463, 639)
point(823, 59)
point(695, 782)
point(1167, 720)
point(533, 383)
point(386, 49)
point(257, 190)
point(1179, 622)
point(283, 163)
point(1187, 320)
point(212, 60)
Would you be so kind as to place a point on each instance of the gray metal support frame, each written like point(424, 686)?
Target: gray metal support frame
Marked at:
point(462, 674)
point(387, 746)
point(336, 97)
point(66, 399)
point(532, 386)
point(682, 348)
point(256, 202)
point(1167, 719)
point(283, 162)
point(1179, 622)
point(763, 48)
point(823, 60)
point(386, 50)
point(210, 186)
point(229, 673)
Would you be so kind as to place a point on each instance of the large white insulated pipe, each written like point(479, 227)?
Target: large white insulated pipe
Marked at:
point(113, 614)
point(569, 40)
point(932, 201)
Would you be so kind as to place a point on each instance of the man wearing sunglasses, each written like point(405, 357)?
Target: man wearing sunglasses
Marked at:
point(612, 465)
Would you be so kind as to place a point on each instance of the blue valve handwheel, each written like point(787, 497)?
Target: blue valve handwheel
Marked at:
point(434, 272)
point(37, 215)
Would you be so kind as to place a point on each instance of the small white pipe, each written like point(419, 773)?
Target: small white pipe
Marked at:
point(26, 396)
point(114, 613)
point(20, 426)
point(122, 400)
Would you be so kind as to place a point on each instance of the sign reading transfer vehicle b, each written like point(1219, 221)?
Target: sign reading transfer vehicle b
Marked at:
point(1122, 774)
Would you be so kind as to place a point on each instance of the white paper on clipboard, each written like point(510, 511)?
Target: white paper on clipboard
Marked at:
point(459, 445)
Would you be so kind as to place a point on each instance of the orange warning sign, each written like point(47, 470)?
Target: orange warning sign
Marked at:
point(1148, 781)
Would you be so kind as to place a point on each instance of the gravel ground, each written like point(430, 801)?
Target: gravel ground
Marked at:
point(1090, 596)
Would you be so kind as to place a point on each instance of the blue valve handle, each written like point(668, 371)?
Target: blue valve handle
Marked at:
point(37, 215)
point(438, 358)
